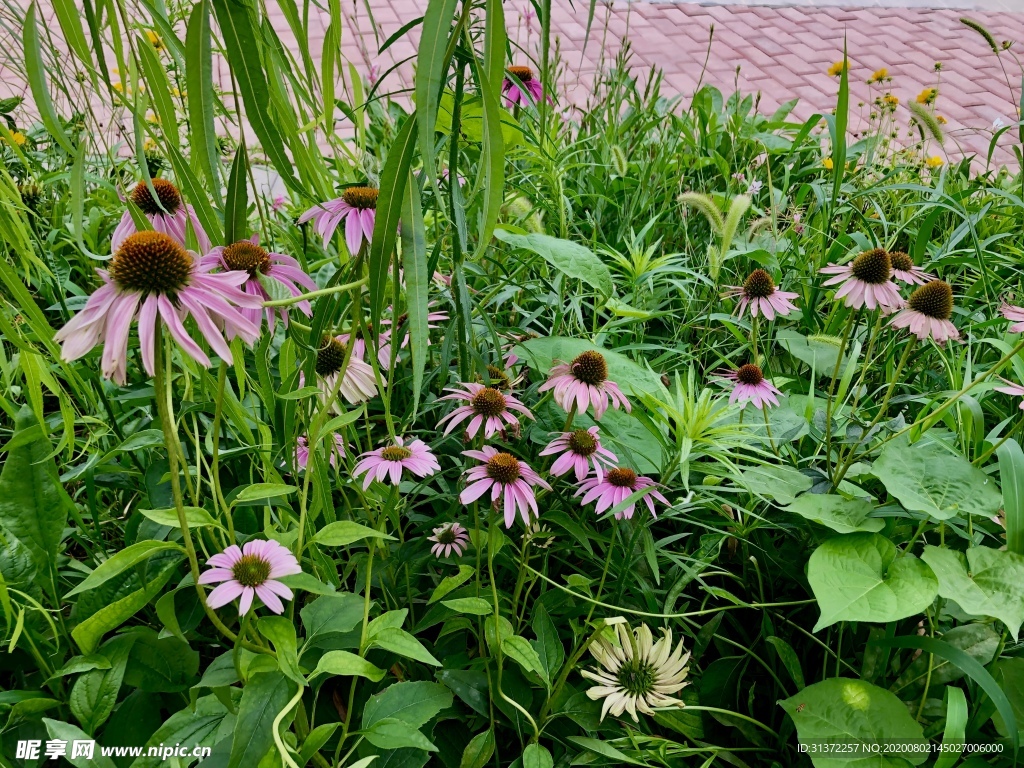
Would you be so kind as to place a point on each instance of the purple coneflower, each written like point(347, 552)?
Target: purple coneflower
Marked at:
point(506, 477)
point(928, 312)
point(584, 382)
point(904, 269)
point(1012, 389)
point(357, 207)
point(760, 294)
point(302, 451)
point(614, 488)
point(1015, 315)
point(514, 93)
point(251, 571)
point(579, 449)
point(152, 277)
point(386, 464)
point(249, 257)
point(358, 383)
point(751, 386)
point(172, 218)
point(486, 407)
point(448, 538)
point(384, 354)
point(866, 281)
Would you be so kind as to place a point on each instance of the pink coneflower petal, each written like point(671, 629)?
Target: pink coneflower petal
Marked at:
point(488, 408)
point(927, 314)
point(250, 572)
point(584, 383)
point(448, 538)
point(750, 386)
point(509, 480)
point(356, 207)
point(759, 294)
point(866, 282)
point(577, 451)
point(389, 462)
point(617, 485)
point(302, 451)
point(153, 278)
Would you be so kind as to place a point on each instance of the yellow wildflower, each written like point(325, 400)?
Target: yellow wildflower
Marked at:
point(118, 87)
point(927, 96)
point(879, 75)
point(154, 39)
point(891, 100)
point(934, 162)
point(149, 145)
point(941, 120)
point(827, 162)
point(19, 138)
point(837, 69)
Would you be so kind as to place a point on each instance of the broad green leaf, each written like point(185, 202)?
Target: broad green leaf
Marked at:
point(329, 614)
point(89, 633)
point(401, 642)
point(33, 505)
point(979, 641)
point(842, 710)
point(94, 694)
point(451, 583)
point(476, 606)
point(536, 756)
point(479, 750)
point(604, 749)
point(79, 664)
point(519, 650)
point(857, 577)
point(569, 258)
point(548, 645)
point(264, 696)
point(983, 581)
point(122, 561)
point(390, 733)
point(1009, 674)
point(777, 482)
point(240, 32)
point(345, 532)
point(195, 517)
point(261, 491)
point(69, 733)
point(206, 725)
point(307, 582)
point(345, 664)
point(414, 703)
point(160, 664)
point(837, 512)
point(928, 478)
point(819, 353)
point(281, 632)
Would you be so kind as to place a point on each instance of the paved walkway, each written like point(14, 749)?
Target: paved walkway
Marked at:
point(781, 52)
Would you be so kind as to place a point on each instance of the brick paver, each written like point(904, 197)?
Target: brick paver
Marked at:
point(781, 52)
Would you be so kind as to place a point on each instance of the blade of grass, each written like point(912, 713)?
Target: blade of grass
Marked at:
point(200, 94)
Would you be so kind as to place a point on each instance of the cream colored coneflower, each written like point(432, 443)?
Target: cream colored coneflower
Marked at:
point(637, 673)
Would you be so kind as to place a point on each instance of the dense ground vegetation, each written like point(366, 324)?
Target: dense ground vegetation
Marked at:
point(477, 429)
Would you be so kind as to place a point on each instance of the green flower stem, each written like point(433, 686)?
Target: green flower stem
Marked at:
point(497, 630)
point(851, 322)
point(362, 643)
point(222, 375)
point(881, 410)
point(569, 417)
point(604, 574)
point(316, 294)
point(162, 391)
point(568, 667)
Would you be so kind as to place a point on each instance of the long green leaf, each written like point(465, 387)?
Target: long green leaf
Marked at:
point(389, 211)
point(200, 94)
point(838, 128)
point(36, 72)
point(194, 192)
point(332, 50)
point(121, 562)
point(431, 64)
point(492, 161)
point(495, 40)
point(414, 261)
point(70, 20)
point(236, 204)
point(969, 666)
point(1011, 480)
point(160, 87)
point(956, 726)
point(238, 28)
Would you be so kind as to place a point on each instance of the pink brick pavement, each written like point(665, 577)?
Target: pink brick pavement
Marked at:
point(779, 52)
